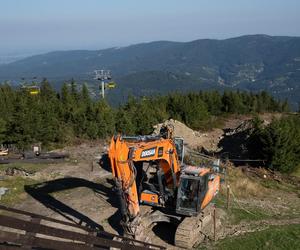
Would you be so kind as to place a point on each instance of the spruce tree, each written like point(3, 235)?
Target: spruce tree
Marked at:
point(278, 143)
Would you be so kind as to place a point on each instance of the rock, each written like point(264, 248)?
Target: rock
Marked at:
point(3, 191)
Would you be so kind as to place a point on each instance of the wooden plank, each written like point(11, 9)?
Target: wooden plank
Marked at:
point(17, 238)
point(30, 235)
point(9, 237)
point(17, 211)
point(61, 233)
point(147, 245)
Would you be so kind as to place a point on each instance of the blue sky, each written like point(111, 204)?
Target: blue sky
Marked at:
point(43, 25)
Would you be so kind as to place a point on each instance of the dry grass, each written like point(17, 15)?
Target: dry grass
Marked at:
point(241, 185)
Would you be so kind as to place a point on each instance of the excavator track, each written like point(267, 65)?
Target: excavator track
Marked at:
point(190, 231)
point(193, 230)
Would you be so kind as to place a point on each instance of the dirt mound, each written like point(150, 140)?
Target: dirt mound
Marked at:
point(194, 139)
point(229, 139)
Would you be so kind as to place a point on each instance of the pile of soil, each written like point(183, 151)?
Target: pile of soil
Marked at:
point(193, 139)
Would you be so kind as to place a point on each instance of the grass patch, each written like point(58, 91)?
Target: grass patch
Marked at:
point(276, 237)
point(237, 214)
point(16, 190)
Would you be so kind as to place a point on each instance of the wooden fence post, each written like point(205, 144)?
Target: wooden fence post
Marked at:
point(227, 197)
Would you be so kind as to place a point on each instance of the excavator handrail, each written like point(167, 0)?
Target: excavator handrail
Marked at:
point(141, 138)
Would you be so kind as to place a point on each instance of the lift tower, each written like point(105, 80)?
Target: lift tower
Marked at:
point(104, 76)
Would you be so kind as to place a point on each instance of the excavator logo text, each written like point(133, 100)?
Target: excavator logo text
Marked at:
point(148, 152)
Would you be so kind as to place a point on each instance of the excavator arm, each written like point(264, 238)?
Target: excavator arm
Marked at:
point(125, 152)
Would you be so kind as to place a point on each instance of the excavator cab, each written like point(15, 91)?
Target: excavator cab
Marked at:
point(197, 187)
point(189, 195)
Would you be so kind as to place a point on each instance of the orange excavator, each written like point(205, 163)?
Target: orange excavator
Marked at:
point(149, 170)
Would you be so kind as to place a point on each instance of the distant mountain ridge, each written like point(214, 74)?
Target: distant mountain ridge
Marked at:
point(252, 62)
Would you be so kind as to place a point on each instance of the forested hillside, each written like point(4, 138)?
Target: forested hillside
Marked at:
point(58, 117)
point(252, 63)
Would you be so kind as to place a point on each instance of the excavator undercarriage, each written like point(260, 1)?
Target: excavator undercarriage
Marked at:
point(190, 231)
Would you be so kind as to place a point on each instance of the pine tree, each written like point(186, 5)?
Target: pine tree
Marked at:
point(195, 112)
point(145, 117)
point(124, 123)
point(278, 143)
point(105, 119)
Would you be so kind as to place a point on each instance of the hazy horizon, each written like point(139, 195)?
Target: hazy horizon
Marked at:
point(32, 26)
point(29, 52)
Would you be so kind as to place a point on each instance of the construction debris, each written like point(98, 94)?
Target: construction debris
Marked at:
point(15, 171)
